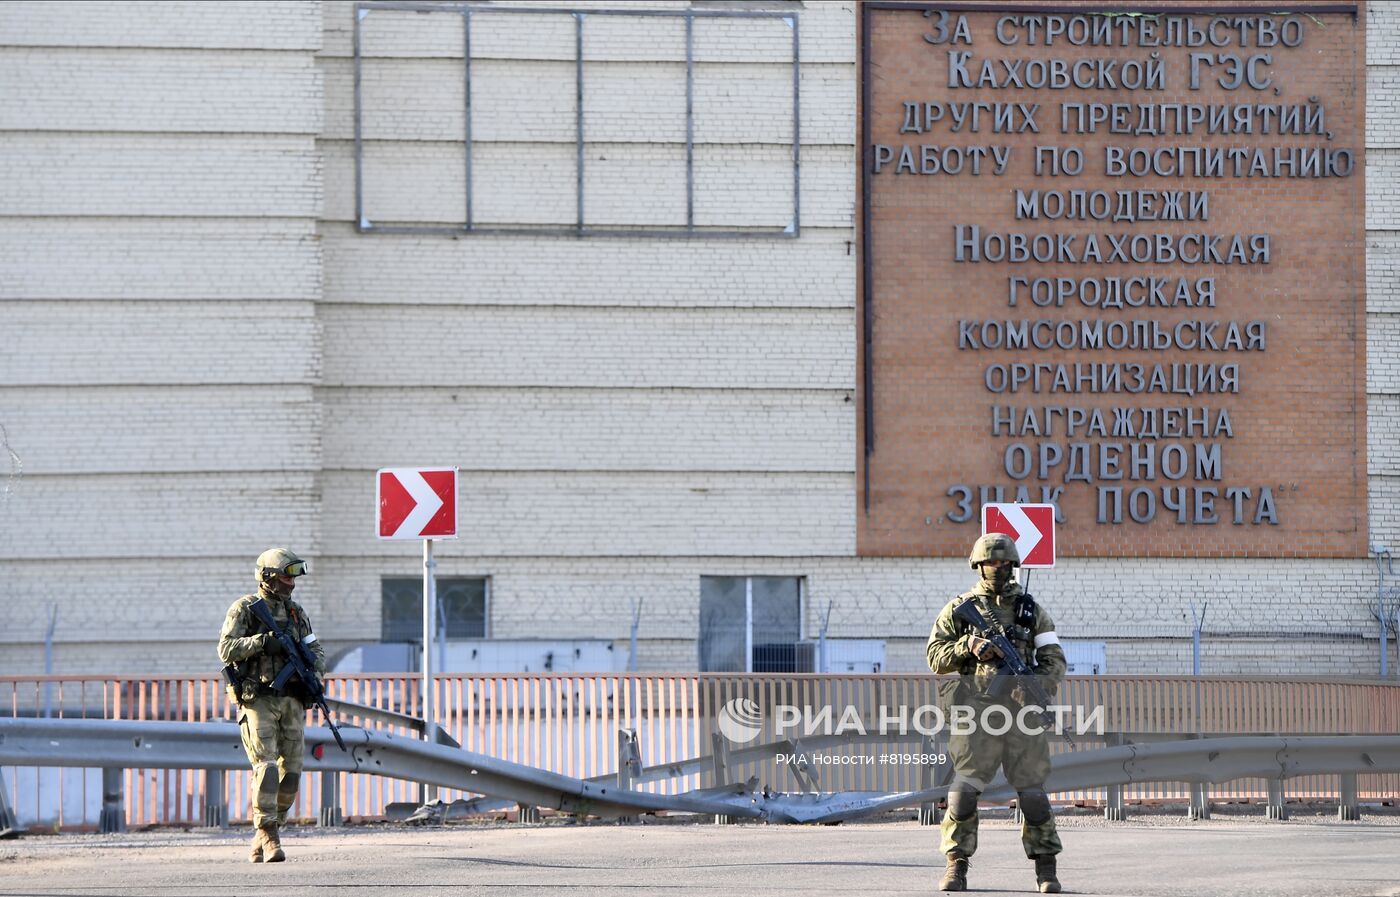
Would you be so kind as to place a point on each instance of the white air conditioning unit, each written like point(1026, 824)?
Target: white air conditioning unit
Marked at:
point(1085, 658)
point(855, 655)
point(528, 656)
point(485, 656)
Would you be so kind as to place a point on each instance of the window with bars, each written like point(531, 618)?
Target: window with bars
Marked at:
point(461, 603)
point(747, 622)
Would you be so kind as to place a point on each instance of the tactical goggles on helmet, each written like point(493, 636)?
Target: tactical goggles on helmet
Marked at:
point(295, 568)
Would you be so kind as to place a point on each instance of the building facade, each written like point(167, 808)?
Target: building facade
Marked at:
point(603, 258)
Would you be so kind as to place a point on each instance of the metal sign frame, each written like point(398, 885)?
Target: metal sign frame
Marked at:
point(580, 228)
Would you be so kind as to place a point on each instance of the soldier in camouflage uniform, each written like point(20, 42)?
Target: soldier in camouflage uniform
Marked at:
point(955, 646)
point(272, 722)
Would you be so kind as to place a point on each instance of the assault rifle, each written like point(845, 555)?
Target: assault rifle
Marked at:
point(1011, 669)
point(300, 663)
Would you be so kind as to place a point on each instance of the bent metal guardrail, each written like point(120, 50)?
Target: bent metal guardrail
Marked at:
point(569, 724)
point(162, 745)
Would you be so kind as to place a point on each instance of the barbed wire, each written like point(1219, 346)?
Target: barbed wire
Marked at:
point(600, 612)
point(1129, 632)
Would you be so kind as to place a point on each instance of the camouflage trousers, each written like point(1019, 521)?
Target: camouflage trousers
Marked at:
point(976, 758)
point(273, 732)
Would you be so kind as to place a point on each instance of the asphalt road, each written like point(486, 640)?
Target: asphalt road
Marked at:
point(1146, 856)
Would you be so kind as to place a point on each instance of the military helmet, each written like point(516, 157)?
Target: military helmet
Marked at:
point(279, 562)
point(994, 547)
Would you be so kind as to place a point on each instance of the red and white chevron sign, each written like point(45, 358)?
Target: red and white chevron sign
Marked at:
point(416, 502)
point(1032, 526)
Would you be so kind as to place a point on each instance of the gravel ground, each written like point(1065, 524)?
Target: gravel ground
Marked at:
point(1156, 852)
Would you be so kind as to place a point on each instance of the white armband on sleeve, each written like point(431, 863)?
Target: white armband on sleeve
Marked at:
point(1046, 638)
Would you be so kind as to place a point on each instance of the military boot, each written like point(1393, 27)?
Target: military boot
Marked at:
point(259, 844)
point(955, 876)
point(1045, 874)
point(273, 844)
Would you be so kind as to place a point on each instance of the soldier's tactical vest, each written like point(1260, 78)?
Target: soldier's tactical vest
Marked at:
point(1021, 631)
point(258, 672)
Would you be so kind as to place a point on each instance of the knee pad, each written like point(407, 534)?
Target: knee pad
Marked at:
point(962, 805)
point(1034, 804)
point(289, 783)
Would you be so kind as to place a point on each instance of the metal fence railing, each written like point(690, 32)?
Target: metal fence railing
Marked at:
point(569, 724)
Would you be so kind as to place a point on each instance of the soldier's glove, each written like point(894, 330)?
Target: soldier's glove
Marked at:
point(981, 648)
point(271, 645)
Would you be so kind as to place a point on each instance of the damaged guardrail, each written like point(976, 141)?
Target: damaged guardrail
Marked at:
point(174, 745)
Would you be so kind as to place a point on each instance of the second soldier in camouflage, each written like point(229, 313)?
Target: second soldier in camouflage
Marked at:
point(954, 646)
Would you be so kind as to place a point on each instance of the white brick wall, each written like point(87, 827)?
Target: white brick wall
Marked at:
point(1383, 188)
point(1382, 273)
point(190, 594)
point(102, 657)
point(1382, 34)
point(153, 258)
point(421, 99)
point(389, 33)
point(110, 343)
point(159, 262)
point(59, 430)
point(618, 514)
point(171, 515)
point(817, 271)
point(228, 24)
point(1382, 107)
point(1382, 346)
point(827, 32)
point(201, 91)
point(405, 99)
point(1384, 503)
point(1383, 435)
point(502, 346)
point(590, 429)
point(197, 375)
point(192, 175)
point(734, 186)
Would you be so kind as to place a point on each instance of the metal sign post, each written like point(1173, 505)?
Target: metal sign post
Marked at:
point(429, 618)
point(420, 503)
